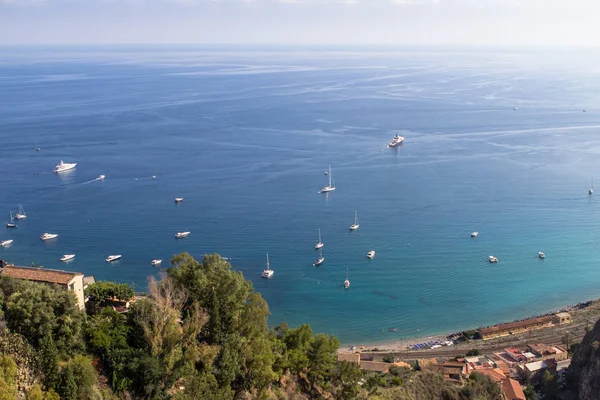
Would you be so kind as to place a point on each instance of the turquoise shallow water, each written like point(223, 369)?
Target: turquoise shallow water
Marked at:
point(244, 135)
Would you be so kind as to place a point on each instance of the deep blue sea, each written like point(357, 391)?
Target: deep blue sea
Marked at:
point(244, 135)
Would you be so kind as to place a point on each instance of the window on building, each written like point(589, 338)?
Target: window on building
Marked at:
point(72, 287)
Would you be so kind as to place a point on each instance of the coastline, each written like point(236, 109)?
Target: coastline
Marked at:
point(403, 344)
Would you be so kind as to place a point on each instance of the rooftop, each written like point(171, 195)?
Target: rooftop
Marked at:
point(375, 366)
point(39, 274)
point(516, 325)
point(535, 366)
point(349, 357)
point(512, 389)
point(495, 374)
point(563, 315)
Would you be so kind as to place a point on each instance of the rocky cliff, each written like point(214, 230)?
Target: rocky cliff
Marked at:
point(585, 366)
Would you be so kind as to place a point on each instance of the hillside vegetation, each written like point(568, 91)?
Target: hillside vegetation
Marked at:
point(200, 333)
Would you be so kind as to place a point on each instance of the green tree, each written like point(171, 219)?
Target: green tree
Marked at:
point(550, 385)
point(48, 360)
point(389, 358)
point(34, 309)
point(67, 386)
point(529, 392)
point(36, 393)
point(322, 357)
point(8, 378)
point(108, 291)
point(473, 352)
point(348, 376)
point(85, 376)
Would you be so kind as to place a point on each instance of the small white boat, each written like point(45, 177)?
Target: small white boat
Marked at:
point(37, 149)
point(325, 173)
point(11, 223)
point(474, 234)
point(267, 273)
point(371, 254)
point(102, 177)
point(21, 214)
point(178, 199)
point(67, 257)
point(153, 176)
point(113, 258)
point(181, 235)
point(331, 186)
point(493, 259)
point(319, 244)
point(48, 236)
point(319, 260)
point(591, 191)
point(346, 282)
point(156, 262)
point(541, 255)
point(396, 141)
point(515, 108)
point(63, 166)
point(5, 243)
point(355, 225)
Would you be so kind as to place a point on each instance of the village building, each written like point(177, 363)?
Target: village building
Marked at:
point(511, 389)
point(71, 281)
point(515, 327)
point(545, 351)
point(562, 318)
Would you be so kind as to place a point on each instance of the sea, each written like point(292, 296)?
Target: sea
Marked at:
point(503, 141)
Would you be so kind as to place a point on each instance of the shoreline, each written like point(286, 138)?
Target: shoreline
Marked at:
point(402, 344)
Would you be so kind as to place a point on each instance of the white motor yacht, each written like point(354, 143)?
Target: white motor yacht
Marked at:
point(355, 225)
point(181, 235)
point(102, 177)
point(63, 166)
point(371, 254)
point(5, 243)
point(178, 199)
point(319, 244)
point(21, 214)
point(541, 255)
point(67, 257)
point(267, 273)
point(48, 236)
point(396, 141)
point(474, 234)
point(113, 258)
point(156, 262)
point(331, 186)
point(493, 259)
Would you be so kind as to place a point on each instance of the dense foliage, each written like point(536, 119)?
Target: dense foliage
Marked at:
point(200, 333)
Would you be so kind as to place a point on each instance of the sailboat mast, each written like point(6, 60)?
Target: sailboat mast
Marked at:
point(319, 235)
point(268, 266)
point(330, 177)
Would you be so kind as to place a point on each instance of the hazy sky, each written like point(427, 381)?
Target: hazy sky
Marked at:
point(494, 22)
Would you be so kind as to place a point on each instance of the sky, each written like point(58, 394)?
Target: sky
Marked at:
point(387, 22)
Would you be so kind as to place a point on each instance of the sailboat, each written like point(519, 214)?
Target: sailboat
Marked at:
point(11, 224)
point(346, 282)
point(319, 260)
point(21, 214)
point(267, 273)
point(591, 191)
point(320, 244)
point(355, 225)
point(331, 186)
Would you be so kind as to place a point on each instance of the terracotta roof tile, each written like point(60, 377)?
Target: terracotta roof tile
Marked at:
point(512, 389)
point(39, 274)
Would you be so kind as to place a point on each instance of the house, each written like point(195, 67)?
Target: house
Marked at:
point(511, 389)
point(514, 354)
point(452, 370)
point(533, 371)
point(515, 327)
point(88, 280)
point(529, 356)
point(480, 362)
point(562, 318)
point(375, 366)
point(71, 281)
point(545, 351)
